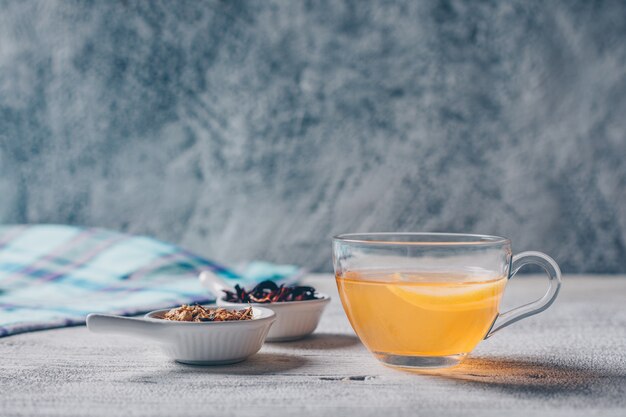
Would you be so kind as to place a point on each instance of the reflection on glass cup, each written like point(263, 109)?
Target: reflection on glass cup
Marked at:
point(425, 300)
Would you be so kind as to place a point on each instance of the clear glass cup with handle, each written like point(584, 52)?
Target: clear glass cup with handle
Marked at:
point(425, 300)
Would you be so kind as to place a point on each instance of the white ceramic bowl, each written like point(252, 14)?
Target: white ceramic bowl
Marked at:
point(206, 343)
point(294, 319)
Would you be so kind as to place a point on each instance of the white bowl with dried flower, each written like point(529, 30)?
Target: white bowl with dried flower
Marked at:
point(196, 335)
point(298, 309)
point(294, 319)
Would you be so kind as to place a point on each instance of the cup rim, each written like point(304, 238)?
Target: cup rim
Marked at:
point(421, 239)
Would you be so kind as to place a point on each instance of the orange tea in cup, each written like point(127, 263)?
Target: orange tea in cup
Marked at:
point(405, 313)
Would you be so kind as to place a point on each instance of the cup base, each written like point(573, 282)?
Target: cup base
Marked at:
point(419, 362)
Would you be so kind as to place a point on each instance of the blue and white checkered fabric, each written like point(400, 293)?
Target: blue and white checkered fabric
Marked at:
point(53, 276)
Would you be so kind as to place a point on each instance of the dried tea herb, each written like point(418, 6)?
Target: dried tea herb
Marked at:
point(270, 292)
point(198, 313)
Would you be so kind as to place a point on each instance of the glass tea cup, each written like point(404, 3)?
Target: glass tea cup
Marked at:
point(425, 300)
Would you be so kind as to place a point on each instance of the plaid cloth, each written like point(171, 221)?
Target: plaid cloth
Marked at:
point(53, 276)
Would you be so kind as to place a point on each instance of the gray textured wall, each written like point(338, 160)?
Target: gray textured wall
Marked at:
point(258, 129)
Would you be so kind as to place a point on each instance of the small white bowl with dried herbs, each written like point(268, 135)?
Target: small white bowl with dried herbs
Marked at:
point(298, 309)
point(196, 335)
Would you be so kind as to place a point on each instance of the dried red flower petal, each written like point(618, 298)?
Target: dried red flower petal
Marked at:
point(270, 292)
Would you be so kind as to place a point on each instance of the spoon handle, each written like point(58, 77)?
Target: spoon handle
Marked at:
point(106, 323)
point(214, 283)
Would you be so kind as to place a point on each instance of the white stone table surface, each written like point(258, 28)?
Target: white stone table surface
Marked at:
point(568, 361)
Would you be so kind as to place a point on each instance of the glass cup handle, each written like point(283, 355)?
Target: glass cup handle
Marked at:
point(527, 310)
